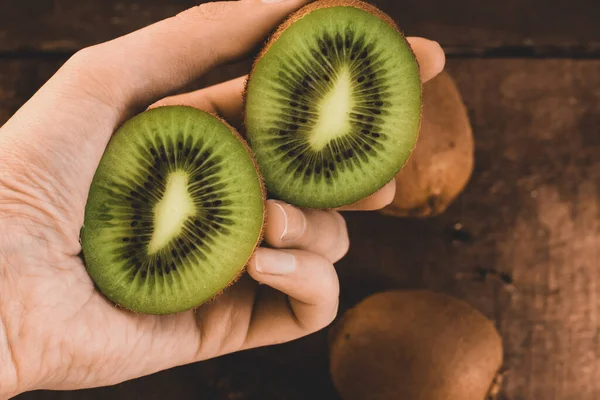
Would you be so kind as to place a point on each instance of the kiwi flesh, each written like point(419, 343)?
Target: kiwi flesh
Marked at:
point(333, 104)
point(414, 345)
point(175, 210)
point(442, 163)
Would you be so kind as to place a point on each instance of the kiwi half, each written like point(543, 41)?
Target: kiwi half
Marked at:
point(333, 104)
point(175, 210)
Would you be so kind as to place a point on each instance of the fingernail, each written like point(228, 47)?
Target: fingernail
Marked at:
point(274, 262)
point(294, 222)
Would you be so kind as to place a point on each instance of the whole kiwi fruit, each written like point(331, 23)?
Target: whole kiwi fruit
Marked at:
point(414, 345)
point(174, 212)
point(333, 104)
point(442, 163)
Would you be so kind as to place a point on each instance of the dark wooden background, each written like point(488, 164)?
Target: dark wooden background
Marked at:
point(529, 71)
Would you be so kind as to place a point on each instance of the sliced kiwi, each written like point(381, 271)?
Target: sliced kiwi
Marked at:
point(175, 210)
point(333, 104)
point(414, 345)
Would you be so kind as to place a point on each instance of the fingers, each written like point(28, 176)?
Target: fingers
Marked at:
point(226, 98)
point(430, 56)
point(304, 301)
point(319, 231)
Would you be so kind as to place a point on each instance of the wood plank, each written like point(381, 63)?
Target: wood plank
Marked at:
point(463, 26)
point(19, 80)
point(531, 214)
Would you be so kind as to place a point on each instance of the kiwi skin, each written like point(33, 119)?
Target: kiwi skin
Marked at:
point(442, 163)
point(260, 237)
point(414, 345)
point(321, 4)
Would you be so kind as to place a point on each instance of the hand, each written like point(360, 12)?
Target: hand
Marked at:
point(56, 331)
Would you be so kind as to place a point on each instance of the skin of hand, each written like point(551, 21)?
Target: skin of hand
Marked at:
point(56, 331)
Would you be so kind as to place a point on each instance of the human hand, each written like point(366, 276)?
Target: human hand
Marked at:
point(56, 331)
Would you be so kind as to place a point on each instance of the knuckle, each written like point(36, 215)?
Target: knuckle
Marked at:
point(84, 75)
point(331, 303)
point(80, 57)
point(330, 286)
point(324, 293)
point(387, 198)
point(83, 59)
point(334, 311)
point(341, 244)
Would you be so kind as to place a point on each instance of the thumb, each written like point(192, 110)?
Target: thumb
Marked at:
point(139, 68)
point(65, 127)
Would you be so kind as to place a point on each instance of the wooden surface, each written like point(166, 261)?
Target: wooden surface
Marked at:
point(522, 244)
point(533, 27)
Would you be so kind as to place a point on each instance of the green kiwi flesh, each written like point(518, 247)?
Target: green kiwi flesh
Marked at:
point(175, 210)
point(333, 105)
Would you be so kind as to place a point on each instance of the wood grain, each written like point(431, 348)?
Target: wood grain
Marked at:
point(530, 27)
point(530, 215)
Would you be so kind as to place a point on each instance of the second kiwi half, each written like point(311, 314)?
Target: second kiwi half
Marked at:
point(333, 104)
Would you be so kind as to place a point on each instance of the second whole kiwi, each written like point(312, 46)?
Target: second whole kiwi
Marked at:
point(414, 345)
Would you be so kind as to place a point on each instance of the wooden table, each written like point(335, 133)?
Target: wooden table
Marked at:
point(529, 71)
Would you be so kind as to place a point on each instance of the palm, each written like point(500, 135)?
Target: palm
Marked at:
point(113, 344)
point(80, 331)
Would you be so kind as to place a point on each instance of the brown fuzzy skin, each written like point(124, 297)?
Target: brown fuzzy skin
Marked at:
point(414, 345)
point(442, 162)
point(317, 5)
point(264, 219)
